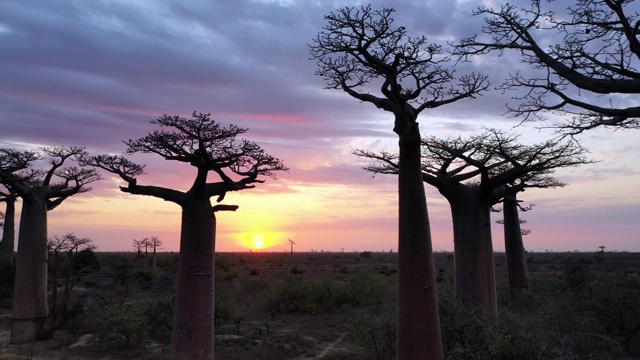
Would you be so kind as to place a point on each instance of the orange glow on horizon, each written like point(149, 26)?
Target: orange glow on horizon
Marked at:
point(259, 240)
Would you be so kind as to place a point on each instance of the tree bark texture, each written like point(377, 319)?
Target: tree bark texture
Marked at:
point(30, 307)
point(193, 322)
point(8, 231)
point(474, 278)
point(418, 321)
point(517, 275)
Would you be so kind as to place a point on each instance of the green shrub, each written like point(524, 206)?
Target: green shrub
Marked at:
point(225, 311)
point(376, 332)
point(126, 320)
point(309, 296)
point(85, 261)
point(159, 316)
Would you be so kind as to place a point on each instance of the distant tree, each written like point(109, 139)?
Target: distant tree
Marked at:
point(156, 244)
point(41, 190)
point(65, 269)
point(138, 245)
point(78, 243)
point(473, 174)
point(360, 47)
point(589, 72)
point(210, 148)
point(517, 274)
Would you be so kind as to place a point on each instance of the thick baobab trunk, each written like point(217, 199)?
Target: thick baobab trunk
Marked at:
point(30, 307)
point(193, 322)
point(8, 231)
point(418, 321)
point(517, 276)
point(474, 278)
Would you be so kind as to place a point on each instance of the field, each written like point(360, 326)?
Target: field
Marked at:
point(341, 306)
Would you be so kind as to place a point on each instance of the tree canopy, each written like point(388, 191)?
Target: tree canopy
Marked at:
point(590, 72)
point(202, 143)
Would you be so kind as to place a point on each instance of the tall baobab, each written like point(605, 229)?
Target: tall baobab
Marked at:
point(156, 244)
point(41, 190)
point(472, 174)
point(11, 161)
point(7, 245)
point(589, 72)
point(138, 245)
point(361, 46)
point(211, 149)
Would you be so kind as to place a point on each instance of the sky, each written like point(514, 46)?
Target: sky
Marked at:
point(95, 73)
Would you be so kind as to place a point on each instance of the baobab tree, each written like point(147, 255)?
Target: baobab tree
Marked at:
point(156, 244)
point(65, 267)
point(238, 164)
point(138, 245)
point(517, 273)
point(357, 48)
point(11, 161)
point(7, 245)
point(41, 190)
point(472, 174)
point(590, 72)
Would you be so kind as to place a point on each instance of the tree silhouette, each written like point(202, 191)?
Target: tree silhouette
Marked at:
point(156, 244)
point(589, 72)
point(11, 161)
point(357, 49)
point(41, 190)
point(7, 245)
point(473, 174)
point(65, 270)
point(138, 245)
point(239, 165)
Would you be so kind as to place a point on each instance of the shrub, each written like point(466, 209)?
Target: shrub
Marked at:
point(85, 261)
point(309, 296)
point(127, 320)
point(376, 332)
point(159, 316)
point(225, 311)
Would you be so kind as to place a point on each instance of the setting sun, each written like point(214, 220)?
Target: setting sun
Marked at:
point(257, 240)
point(260, 240)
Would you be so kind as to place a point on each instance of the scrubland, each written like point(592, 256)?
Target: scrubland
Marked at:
point(327, 305)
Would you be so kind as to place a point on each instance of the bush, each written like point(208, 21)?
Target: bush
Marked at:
point(127, 320)
point(364, 289)
point(307, 296)
point(376, 332)
point(225, 311)
point(159, 316)
point(85, 261)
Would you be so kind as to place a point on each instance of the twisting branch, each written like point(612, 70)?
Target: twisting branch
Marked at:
point(590, 74)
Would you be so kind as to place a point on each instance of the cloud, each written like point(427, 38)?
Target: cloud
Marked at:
point(95, 73)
